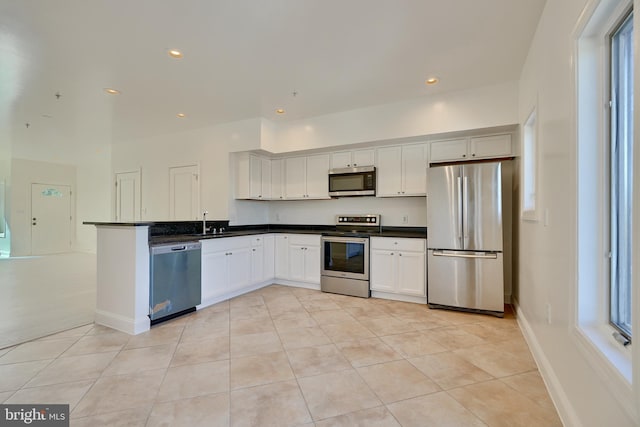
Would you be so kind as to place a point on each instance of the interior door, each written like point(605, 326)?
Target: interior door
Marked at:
point(184, 193)
point(50, 219)
point(128, 196)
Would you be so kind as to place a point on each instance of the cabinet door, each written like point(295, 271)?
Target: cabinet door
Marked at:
point(282, 256)
point(389, 172)
point(269, 257)
point(312, 264)
point(296, 263)
point(411, 273)
point(238, 263)
point(383, 270)
point(318, 176)
point(451, 149)
point(243, 176)
point(257, 263)
point(255, 177)
point(277, 178)
point(414, 170)
point(341, 159)
point(265, 179)
point(491, 146)
point(363, 158)
point(214, 275)
point(295, 178)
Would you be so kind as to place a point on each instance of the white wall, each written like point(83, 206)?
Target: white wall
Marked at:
point(548, 253)
point(208, 147)
point(448, 112)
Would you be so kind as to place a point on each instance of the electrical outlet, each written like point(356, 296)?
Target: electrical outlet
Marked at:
point(405, 219)
point(548, 310)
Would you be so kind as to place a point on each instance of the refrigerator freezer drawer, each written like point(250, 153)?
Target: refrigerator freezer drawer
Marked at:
point(464, 279)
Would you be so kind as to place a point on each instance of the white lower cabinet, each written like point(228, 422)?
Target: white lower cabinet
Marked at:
point(232, 264)
point(398, 266)
point(224, 266)
point(298, 257)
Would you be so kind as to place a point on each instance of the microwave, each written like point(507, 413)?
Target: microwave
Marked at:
point(358, 181)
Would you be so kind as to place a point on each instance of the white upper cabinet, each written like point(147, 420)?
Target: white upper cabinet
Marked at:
point(490, 146)
point(317, 176)
point(480, 147)
point(402, 171)
point(307, 177)
point(265, 182)
point(277, 179)
point(352, 159)
point(253, 177)
point(295, 182)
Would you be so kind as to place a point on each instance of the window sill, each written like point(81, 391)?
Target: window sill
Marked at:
point(610, 360)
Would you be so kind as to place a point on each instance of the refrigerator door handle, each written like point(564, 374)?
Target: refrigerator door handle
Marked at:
point(465, 255)
point(459, 223)
point(465, 205)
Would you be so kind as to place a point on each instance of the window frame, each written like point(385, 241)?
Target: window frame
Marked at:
point(623, 20)
point(530, 167)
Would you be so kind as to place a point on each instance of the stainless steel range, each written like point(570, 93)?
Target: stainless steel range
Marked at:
point(345, 255)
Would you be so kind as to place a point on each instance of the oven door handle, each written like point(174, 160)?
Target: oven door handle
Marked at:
point(345, 239)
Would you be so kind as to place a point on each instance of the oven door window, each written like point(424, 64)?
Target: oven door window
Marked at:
point(344, 257)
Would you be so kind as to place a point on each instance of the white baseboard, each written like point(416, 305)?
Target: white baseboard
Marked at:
point(398, 297)
point(121, 323)
point(565, 410)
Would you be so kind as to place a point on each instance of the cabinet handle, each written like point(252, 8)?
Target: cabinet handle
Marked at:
point(253, 250)
point(400, 254)
point(395, 243)
point(473, 155)
point(464, 155)
point(391, 253)
point(355, 164)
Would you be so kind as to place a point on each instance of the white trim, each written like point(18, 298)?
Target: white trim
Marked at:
point(565, 410)
point(122, 323)
point(399, 297)
point(610, 361)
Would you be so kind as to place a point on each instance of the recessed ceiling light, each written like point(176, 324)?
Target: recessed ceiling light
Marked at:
point(111, 91)
point(280, 111)
point(181, 115)
point(174, 53)
point(431, 80)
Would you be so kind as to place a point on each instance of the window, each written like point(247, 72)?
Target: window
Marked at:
point(621, 175)
point(529, 168)
point(603, 73)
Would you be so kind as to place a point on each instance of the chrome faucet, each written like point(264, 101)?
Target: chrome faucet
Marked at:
point(204, 222)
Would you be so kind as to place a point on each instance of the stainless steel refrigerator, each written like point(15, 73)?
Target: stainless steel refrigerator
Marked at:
point(464, 220)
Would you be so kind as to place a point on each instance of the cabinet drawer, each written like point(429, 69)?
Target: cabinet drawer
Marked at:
point(400, 244)
point(225, 244)
point(304, 239)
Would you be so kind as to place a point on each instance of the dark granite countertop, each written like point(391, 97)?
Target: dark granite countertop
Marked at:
point(236, 231)
point(167, 232)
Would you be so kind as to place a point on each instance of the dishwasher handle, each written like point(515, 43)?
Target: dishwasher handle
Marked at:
point(178, 248)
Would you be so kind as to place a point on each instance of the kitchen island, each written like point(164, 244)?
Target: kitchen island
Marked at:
point(123, 263)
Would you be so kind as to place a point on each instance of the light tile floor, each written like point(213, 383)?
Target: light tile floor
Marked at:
point(289, 356)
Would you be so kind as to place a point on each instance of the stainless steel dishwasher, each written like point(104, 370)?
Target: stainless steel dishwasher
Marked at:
point(175, 280)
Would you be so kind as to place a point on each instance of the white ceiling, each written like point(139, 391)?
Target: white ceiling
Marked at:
point(244, 58)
